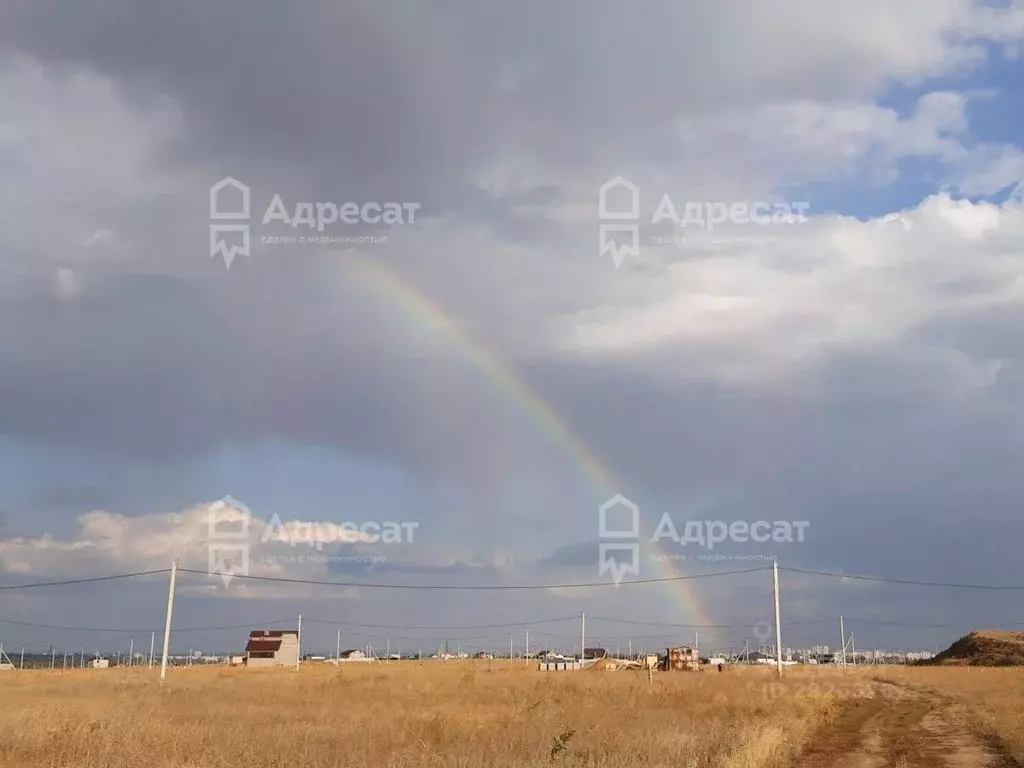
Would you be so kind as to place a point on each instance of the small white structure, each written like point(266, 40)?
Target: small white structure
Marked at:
point(100, 663)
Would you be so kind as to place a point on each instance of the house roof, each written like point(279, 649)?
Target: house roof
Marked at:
point(267, 640)
point(261, 645)
point(273, 632)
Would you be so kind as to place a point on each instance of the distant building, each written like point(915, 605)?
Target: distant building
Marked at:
point(682, 658)
point(594, 653)
point(100, 663)
point(272, 648)
point(352, 655)
point(551, 656)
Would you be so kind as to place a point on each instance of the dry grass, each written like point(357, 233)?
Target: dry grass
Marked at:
point(452, 714)
point(403, 714)
point(993, 698)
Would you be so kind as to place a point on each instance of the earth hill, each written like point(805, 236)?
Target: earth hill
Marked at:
point(988, 648)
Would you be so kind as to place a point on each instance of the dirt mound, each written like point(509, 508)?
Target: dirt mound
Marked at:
point(984, 649)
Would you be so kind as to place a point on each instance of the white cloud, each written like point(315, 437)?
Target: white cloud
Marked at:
point(741, 313)
point(108, 542)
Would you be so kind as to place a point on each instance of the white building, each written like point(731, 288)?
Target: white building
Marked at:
point(272, 648)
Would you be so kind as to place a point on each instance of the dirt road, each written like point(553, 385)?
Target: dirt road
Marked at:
point(903, 728)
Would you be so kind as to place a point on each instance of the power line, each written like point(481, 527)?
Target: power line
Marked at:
point(658, 624)
point(478, 587)
point(145, 629)
point(900, 624)
point(438, 626)
point(83, 581)
point(860, 577)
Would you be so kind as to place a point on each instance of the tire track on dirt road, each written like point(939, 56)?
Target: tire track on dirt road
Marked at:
point(902, 728)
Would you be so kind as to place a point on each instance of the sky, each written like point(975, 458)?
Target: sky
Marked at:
point(477, 367)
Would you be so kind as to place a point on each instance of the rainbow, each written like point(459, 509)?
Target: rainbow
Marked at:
point(421, 310)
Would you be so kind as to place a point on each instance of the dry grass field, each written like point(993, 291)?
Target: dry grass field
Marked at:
point(473, 713)
point(990, 698)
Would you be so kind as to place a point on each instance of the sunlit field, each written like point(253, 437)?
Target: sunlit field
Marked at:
point(478, 713)
point(469, 713)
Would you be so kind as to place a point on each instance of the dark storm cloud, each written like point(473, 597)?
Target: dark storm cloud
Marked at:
point(581, 554)
point(893, 459)
point(316, 88)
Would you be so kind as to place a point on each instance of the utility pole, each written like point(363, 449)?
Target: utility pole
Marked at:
point(298, 644)
point(696, 645)
point(152, 645)
point(337, 654)
point(66, 661)
point(510, 652)
point(853, 650)
point(842, 636)
point(21, 663)
point(778, 619)
point(53, 656)
point(389, 650)
point(583, 637)
point(131, 652)
point(167, 623)
point(526, 656)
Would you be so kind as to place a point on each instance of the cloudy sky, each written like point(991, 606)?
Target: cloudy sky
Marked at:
point(479, 368)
